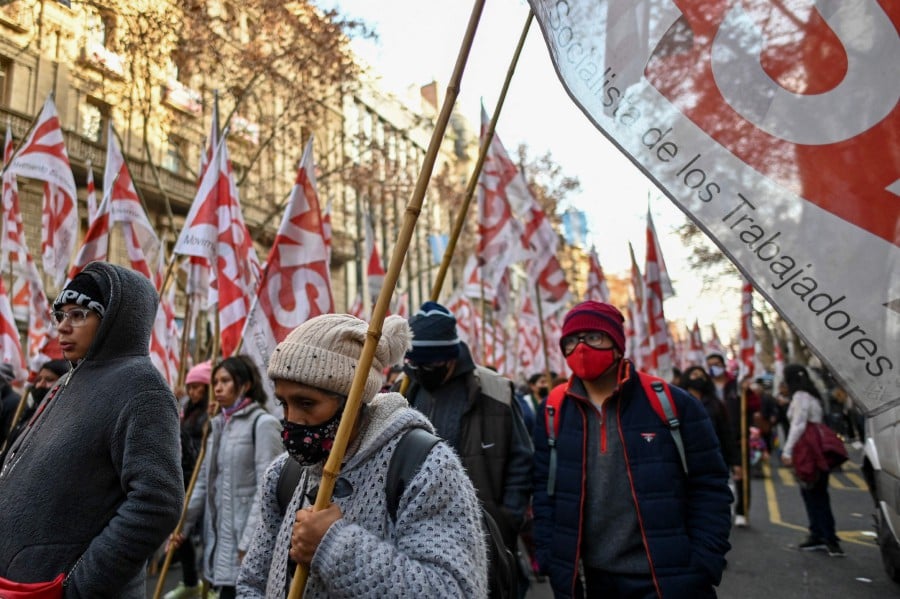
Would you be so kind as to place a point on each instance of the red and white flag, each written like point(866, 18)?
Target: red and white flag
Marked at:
point(529, 342)
point(715, 345)
point(660, 358)
point(468, 323)
point(665, 283)
point(42, 155)
point(356, 308)
point(296, 285)
point(472, 283)
point(29, 302)
point(776, 136)
point(92, 205)
point(640, 347)
point(402, 306)
point(696, 354)
point(500, 235)
point(597, 289)
point(374, 270)
point(215, 230)
point(165, 351)
point(10, 344)
point(748, 339)
point(120, 204)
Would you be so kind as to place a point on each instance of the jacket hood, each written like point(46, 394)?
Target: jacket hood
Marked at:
point(128, 322)
point(387, 416)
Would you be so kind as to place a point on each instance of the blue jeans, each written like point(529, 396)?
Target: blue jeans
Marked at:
point(818, 509)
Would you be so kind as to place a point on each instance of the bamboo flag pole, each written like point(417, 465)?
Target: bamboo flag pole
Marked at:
point(745, 462)
point(20, 407)
point(460, 221)
point(160, 583)
point(411, 215)
point(540, 314)
point(185, 337)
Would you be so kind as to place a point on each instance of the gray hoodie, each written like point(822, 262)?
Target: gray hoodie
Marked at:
point(93, 484)
point(435, 549)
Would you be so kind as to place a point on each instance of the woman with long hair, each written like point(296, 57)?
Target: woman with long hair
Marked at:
point(242, 441)
point(806, 407)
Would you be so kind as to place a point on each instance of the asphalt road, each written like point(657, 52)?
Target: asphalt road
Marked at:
point(764, 562)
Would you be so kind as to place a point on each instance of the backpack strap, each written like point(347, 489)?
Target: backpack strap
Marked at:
point(660, 396)
point(551, 423)
point(409, 455)
point(287, 483)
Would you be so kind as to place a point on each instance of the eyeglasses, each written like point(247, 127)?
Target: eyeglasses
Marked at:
point(595, 339)
point(77, 316)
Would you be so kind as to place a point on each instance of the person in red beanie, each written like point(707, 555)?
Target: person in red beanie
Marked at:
point(613, 496)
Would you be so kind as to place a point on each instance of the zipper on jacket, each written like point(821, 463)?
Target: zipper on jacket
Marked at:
point(551, 443)
point(601, 423)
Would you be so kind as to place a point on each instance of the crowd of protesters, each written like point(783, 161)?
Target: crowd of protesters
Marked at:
point(586, 474)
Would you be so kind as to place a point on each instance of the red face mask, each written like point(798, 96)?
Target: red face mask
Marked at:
point(589, 363)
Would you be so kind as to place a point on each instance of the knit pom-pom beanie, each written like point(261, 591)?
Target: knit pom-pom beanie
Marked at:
point(324, 351)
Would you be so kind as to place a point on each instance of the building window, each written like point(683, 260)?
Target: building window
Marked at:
point(100, 28)
point(5, 80)
point(171, 160)
point(94, 116)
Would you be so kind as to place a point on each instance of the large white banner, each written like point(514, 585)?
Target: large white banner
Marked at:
point(776, 128)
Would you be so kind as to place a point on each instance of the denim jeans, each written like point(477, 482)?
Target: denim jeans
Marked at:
point(818, 509)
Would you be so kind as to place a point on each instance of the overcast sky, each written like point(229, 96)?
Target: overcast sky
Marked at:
point(419, 41)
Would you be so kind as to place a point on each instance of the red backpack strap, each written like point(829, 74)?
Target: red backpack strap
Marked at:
point(659, 394)
point(551, 424)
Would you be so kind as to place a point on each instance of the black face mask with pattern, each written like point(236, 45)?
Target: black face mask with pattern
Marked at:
point(310, 444)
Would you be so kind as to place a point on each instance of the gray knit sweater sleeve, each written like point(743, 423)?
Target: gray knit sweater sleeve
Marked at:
point(438, 547)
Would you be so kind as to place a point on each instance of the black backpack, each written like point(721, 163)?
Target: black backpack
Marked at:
point(408, 456)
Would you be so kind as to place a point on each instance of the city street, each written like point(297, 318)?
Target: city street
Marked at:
point(764, 560)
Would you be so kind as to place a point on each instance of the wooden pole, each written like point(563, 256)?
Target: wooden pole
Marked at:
point(194, 475)
point(745, 461)
point(20, 407)
point(185, 334)
point(460, 221)
point(413, 209)
point(540, 315)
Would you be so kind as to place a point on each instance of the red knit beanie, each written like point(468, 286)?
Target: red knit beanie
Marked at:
point(596, 316)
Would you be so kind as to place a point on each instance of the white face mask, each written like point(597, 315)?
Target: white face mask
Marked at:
point(716, 371)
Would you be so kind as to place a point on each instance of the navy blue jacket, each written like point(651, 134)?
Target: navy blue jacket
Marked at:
point(684, 519)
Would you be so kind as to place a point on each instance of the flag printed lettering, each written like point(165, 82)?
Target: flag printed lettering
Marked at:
point(757, 127)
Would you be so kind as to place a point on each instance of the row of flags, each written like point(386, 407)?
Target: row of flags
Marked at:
point(258, 306)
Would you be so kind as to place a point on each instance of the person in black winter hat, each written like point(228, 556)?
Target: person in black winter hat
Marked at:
point(93, 484)
point(474, 410)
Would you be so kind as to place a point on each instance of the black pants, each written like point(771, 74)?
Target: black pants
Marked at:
point(186, 555)
point(227, 593)
point(818, 509)
point(603, 585)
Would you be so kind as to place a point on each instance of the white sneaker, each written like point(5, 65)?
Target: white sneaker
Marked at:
point(856, 445)
point(183, 592)
point(740, 521)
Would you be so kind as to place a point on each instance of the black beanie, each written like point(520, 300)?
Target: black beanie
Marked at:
point(84, 290)
point(434, 335)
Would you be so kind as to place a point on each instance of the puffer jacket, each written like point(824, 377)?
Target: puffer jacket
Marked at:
point(237, 454)
point(93, 484)
point(684, 519)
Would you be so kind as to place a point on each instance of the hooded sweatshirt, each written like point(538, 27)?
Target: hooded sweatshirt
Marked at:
point(434, 549)
point(93, 484)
